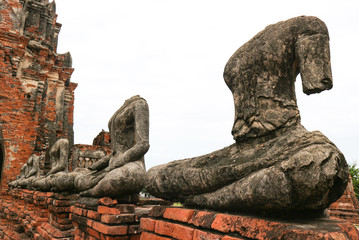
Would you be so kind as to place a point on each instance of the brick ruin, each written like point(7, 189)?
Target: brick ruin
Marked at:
point(36, 109)
point(36, 95)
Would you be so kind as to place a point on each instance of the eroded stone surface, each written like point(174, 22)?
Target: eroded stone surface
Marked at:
point(119, 173)
point(29, 172)
point(122, 171)
point(59, 156)
point(276, 165)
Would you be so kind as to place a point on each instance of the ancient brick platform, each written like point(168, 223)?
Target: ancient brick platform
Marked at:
point(21, 212)
point(108, 220)
point(58, 225)
point(165, 223)
point(26, 214)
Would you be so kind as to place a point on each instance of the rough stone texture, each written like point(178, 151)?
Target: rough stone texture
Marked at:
point(36, 95)
point(120, 173)
point(276, 166)
point(31, 171)
point(23, 172)
point(346, 208)
point(182, 223)
point(59, 155)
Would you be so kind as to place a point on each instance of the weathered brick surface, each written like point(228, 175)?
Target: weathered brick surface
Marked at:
point(200, 235)
point(202, 218)
point(36, 95)
point(346, 208)
point(148, 224)
point(178, 214)
point(175, 223)
point(108, 219)
point(102, 139)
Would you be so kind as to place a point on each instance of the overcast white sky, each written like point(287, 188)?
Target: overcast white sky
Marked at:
point(173, 52)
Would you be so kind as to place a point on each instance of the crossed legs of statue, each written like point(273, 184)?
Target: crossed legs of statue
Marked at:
point(119, 181)
point(237, 182)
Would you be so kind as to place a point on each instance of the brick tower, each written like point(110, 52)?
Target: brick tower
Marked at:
point(36, 95)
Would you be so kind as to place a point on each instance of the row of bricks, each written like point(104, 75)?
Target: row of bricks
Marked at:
point(187, 220)
point(83, 235)
point(59, 226)
point(88, 225)
point(164, 230)
point(104, 215)
point(217, 221)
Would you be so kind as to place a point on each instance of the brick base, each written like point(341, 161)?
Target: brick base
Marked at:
point(26, 214)
point(108, 220)
point(36, 215)
point(165, 223)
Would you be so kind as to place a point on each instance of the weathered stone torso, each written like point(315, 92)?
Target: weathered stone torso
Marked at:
point(261, 76)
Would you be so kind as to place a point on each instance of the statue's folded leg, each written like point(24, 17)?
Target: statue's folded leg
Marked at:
point(63, 181)
point(24, 183)
point(307, 180)
point(14, 183)
point(40, 184)
point(182, 178)
point(124, 180)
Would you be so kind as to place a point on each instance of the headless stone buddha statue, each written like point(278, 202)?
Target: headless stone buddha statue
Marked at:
point(23, 171)
point(123, 171)
point(59, 155)
point(275, 164)
point(28, 173)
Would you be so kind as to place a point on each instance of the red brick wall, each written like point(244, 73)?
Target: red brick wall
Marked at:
point(36, 96)
point(83, 155)
point(102, 139)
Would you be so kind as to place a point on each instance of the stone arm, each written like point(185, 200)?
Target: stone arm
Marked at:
point(102, 163)
point(33, 169)
point(141, 146)
point(23, 171)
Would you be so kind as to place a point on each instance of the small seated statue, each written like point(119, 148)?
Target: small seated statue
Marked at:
point(121, 172)
point(23, 172)
point(28, 173)
point(59, 155)
point(275, 165)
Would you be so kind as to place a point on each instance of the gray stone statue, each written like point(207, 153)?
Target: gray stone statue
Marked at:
point(119, 173)
point(23, 173)
point(276, 165)
point(59, 155)
point(122, 171)
point(28, 173)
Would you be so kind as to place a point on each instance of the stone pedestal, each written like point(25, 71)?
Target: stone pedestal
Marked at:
point(167, 223)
